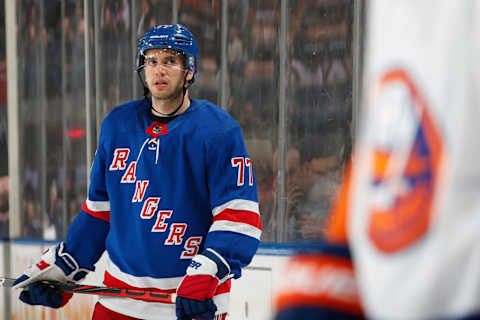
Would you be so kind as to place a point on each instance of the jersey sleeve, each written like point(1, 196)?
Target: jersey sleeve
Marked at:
point(236, 227)
point(87, 234)
point(98, 204)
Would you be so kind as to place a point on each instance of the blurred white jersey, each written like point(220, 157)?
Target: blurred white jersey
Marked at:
point(413, 205)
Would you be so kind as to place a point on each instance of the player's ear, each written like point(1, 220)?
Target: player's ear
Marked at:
point(190, 74)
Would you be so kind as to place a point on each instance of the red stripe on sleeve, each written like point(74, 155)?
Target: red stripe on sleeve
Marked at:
point(103, 215)
point(242, 216)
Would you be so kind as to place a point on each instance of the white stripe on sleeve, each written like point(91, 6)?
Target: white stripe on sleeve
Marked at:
point(98, 206)
point(243, 228)
point(237, 204)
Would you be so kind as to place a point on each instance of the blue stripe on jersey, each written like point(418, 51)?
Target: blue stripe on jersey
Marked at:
point(314, 313)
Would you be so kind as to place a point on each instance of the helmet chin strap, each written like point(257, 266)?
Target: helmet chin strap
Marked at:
point(185, 87)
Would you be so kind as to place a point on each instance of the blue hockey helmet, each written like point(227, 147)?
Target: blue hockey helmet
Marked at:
point(170, 36)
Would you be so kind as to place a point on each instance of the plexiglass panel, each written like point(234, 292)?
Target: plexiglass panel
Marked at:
point(316, 140)
point(202, 18)
point(253, 61)
point(4, 208)
point(319, 112)
point(52, 115)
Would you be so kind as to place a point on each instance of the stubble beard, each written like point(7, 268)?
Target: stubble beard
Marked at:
point(173, 96)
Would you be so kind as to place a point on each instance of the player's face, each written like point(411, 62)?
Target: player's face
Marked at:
point(165, 73)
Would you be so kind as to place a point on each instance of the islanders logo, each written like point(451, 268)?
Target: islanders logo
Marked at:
point(407, 154)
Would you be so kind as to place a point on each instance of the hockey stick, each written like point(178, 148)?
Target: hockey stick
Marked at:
point(138, 294)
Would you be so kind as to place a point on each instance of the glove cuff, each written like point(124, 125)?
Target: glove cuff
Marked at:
point(67, 263)
point(223, 269)
point(211, 263)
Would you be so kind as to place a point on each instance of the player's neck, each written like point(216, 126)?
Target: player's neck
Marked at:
point(163, 107)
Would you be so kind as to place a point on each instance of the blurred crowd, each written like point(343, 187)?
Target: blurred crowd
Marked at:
point(318, 103)
point(318, 96)
point(3, 132)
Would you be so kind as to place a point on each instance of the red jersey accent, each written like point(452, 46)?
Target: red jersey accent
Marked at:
point(103, 215)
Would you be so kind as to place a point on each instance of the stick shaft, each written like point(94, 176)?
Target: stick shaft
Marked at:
point(137, 294)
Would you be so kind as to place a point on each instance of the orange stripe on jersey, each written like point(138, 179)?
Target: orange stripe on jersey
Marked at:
point(103, 215)
point(319, 281)
point(336, 225)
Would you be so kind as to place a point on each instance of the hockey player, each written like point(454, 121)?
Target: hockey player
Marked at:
point(409, 211)
point(172, 199)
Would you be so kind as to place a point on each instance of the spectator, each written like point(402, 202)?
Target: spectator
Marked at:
point(4, 218)
point(32, 225)
point(294, 192)
point(322, 160)
point(207, 76)
point(235, 51)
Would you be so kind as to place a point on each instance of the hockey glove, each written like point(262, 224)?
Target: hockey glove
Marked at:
point(195, 292)
point(56, 265)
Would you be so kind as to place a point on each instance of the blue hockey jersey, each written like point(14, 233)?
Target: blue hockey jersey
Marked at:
point(160, 194)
